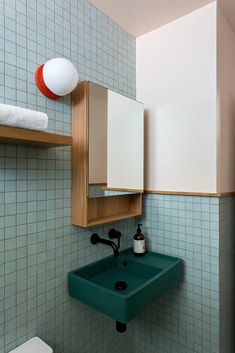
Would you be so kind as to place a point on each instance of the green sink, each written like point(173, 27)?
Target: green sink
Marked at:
point(122, 286)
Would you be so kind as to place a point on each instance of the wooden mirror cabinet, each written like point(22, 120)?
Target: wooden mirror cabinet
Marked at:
point(89, 211)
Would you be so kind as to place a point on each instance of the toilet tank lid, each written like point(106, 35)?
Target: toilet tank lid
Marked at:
point(35, 345)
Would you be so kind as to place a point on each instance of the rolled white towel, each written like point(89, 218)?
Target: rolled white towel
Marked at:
point(25, 118)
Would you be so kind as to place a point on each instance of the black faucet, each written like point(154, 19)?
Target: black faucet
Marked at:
point(115, 234)
point(95, 238)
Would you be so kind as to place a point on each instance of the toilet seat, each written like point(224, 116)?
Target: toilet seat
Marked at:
point(35, 345)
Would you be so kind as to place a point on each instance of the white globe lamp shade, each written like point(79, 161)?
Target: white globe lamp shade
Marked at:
point(56, 78)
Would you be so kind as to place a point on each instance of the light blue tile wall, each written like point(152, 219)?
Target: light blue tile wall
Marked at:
point(38, 244)
point(226, 277)
point(185, 320)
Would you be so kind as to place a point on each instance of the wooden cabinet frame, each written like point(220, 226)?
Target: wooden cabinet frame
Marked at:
point(87, 211)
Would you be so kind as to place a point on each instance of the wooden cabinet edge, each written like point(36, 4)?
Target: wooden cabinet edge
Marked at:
point(80, 154)
point(189, 193)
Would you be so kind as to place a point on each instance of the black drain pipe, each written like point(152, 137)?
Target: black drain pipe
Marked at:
point(120, 327)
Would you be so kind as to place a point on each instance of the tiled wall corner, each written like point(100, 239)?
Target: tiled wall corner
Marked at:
point(38, 244)
point(185, 320)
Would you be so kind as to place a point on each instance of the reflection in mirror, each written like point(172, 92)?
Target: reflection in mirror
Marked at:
point(100, 190)
point(115, 157)
point(125, 167)
point(97, 140)
point(97, 135)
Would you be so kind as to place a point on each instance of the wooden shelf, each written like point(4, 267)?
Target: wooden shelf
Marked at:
point(139, 191)
point(117, 217)
point(113, 208)
point(13, 135)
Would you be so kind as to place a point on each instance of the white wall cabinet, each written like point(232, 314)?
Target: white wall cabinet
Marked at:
point(176, 80)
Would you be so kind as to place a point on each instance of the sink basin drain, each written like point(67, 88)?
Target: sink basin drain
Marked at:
point(120, 285)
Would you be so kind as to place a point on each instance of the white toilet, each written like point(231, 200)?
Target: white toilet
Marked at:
point(34, 345)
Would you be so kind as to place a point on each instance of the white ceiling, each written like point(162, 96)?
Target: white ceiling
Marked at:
point(141, 16)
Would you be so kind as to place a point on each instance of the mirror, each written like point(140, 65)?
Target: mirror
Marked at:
point(116, 143)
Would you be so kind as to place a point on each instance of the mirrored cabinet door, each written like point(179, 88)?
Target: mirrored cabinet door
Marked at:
point(125, 147)
point(115, 143)
point(107, 156)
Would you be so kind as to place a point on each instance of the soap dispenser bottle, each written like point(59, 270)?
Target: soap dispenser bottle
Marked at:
point(139, 242)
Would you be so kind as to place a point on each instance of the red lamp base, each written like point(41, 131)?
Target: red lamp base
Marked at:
point(41, 84)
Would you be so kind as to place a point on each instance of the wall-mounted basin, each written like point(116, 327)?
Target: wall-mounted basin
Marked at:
point(121, 287)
